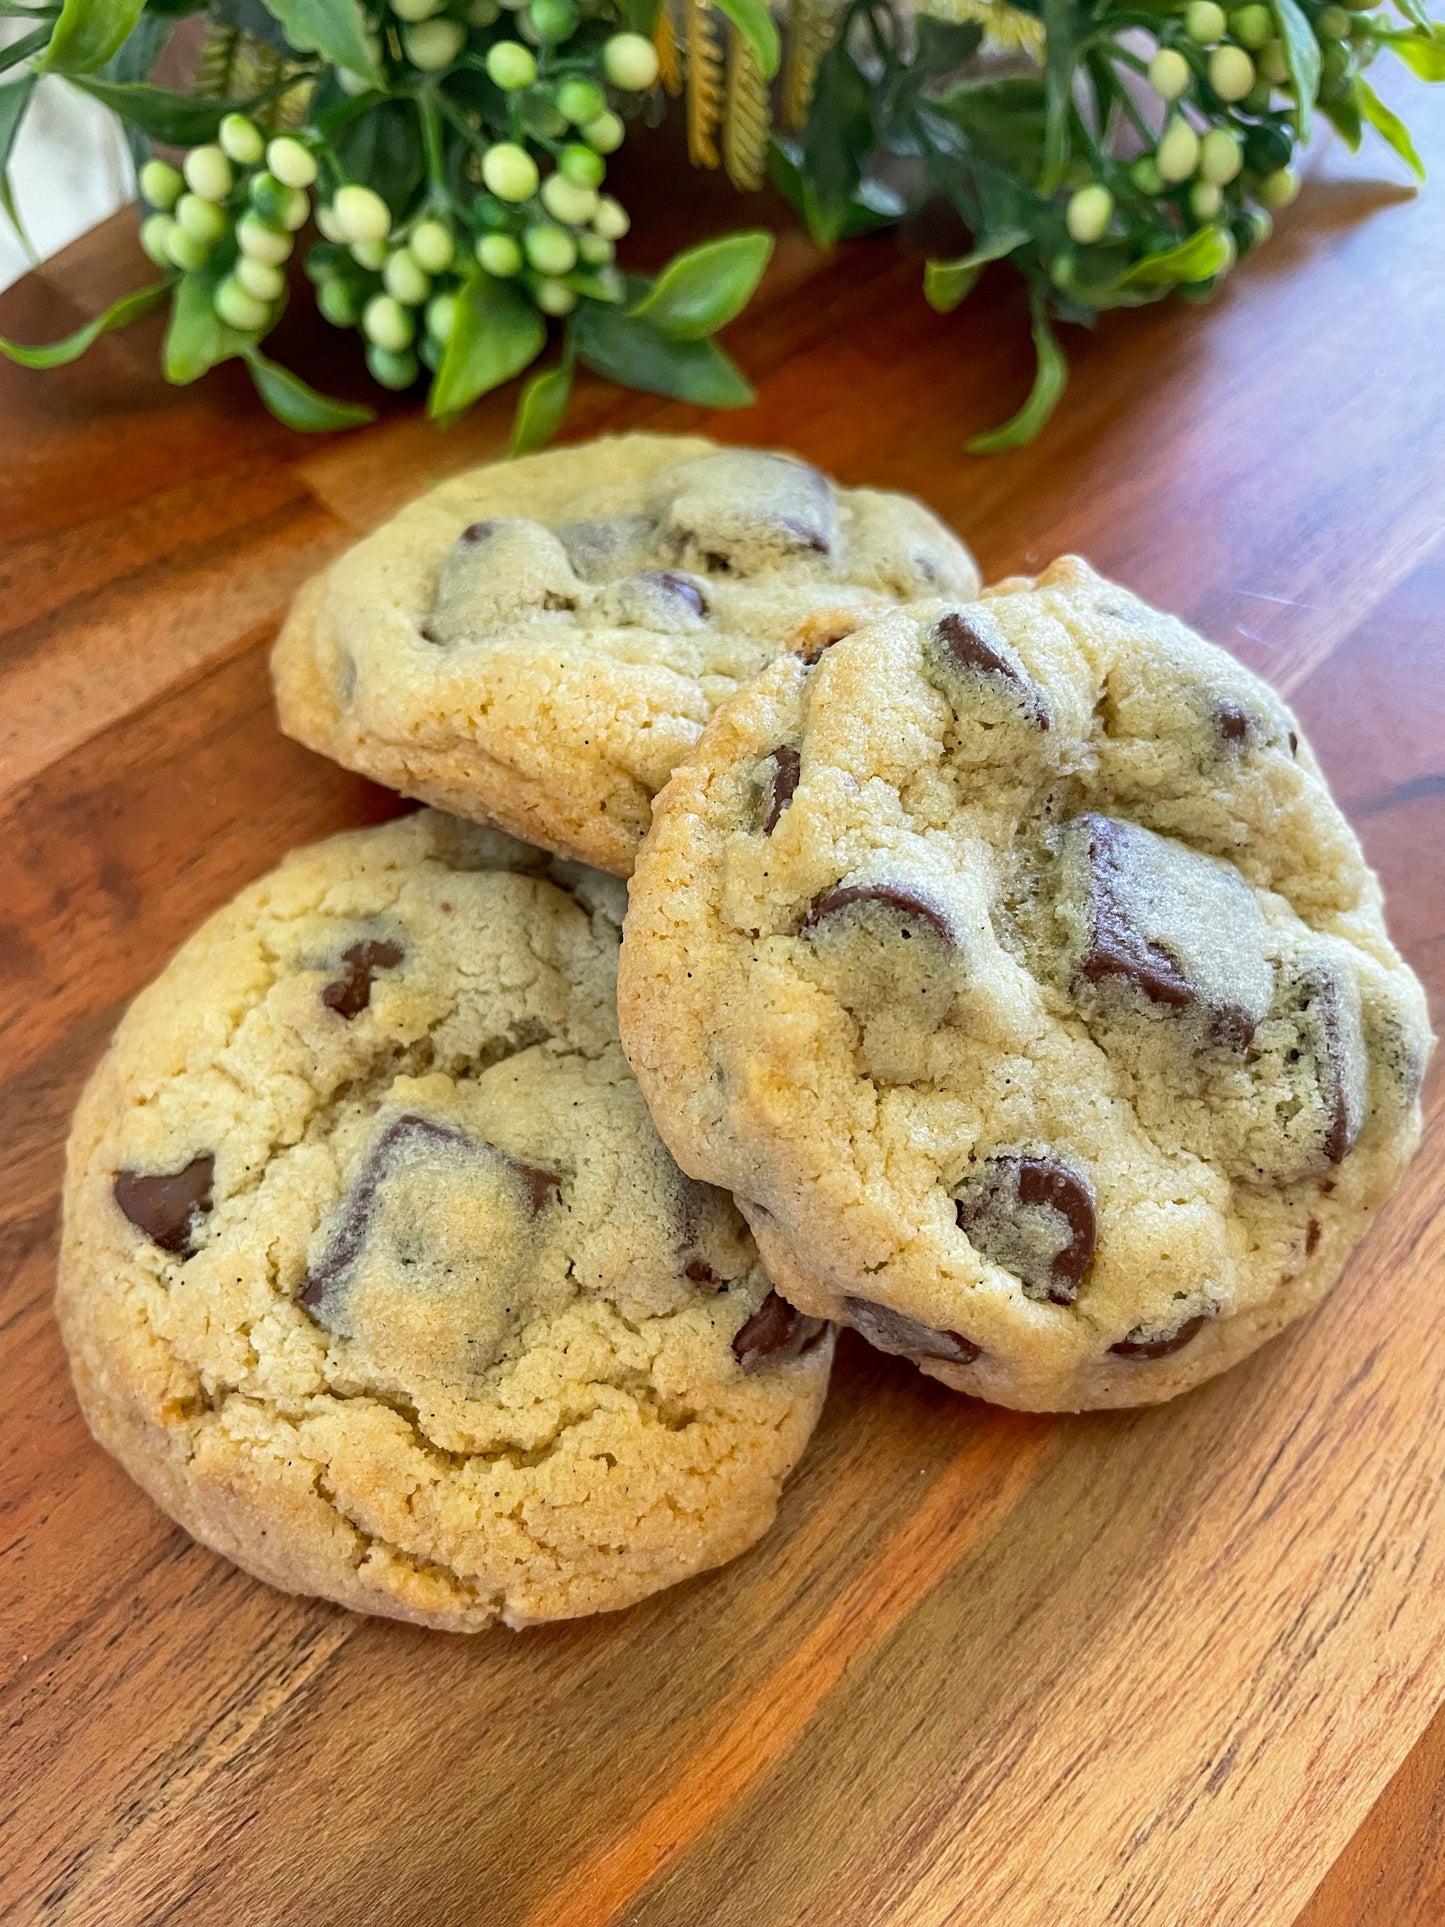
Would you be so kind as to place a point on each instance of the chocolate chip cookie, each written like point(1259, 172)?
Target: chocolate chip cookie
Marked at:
point(376, 1275)
point(1015, 968)
point(537, 643)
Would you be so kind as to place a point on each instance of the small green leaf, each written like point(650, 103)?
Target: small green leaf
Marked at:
point(13, 102)
point(335, 29)
point(496, 333)
point(1424, 53)
point(181, 120)
point(702, 290)
point(55, 354)
point(196, 338)
point(754, 22)
point(88, 32)
point(635, 354)
point(1418, 12)
point(1344, 116)
point(1050, 379)
point(945, 283)
point(1208, 251)
point(541, 408)
point(23, 48)
point(297, 404)
point(1389, 126)
point(1302, 56)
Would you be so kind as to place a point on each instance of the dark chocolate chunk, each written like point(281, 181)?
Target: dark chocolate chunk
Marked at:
point(1343, 1101)
point(971, 644)
point(738, 500)
point(782, 770)
point(900, 900)
point(680, 588)
point(1312, 1237)
point(1035, 1217)
point(165, 1207)
point(700, 1272)
point(476, 532)
point(350, 993)
point(1233, 721)
point(776, 1330)
point(891, 1331)
point(1138, 1345)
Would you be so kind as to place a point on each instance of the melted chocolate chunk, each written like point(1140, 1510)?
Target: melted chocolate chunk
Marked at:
point(349, 994)
point(738, 502)
point(1233, 721)
point(1340, 1091)
point(971, 644)
point(782, 769)
point(891, 1331)
point(776, 1331)
point(164, 1208)
point(700, 1272)
point(1312, 1237)
point(1035, 1217)
point(1138, 1345)
point(353, 1224)
point(476, 532)
point(898, 899)
point(679, 588)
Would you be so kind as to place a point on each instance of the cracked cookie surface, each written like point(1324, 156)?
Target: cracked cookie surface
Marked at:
point(1015, 968)
point(537, 643)
point(375, 1273)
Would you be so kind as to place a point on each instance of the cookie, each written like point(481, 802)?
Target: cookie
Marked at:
point(537, 643)
point(376, 1275)
point(1016, 970)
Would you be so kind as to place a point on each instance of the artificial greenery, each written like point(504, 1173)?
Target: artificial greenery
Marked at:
point(452, 155)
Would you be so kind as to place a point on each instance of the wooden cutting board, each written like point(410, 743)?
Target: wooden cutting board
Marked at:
point(1180, 1666)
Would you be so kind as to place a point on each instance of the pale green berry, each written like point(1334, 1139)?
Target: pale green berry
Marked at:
point(360, 213)
point(605, 133)
point(1204, 22)
point(241, 140)
point(433, 44)
point(555, 297)
point(551, 250)
point(432, 246)
point(260, 278)
point(1231, 72)
point(500, 255)
point(595, 251)
point(161, 184)
point(391, 367)
point(1220, 156)
point(581, 166)
point(203, 219)
point(580, 101)
point(630, 61)
point(1252, 26)
point(511, 65)
point(337, 301)
point(261, 241)
point(481, 13)
point(1333, 23)
point(388, 323)
point(1089, 212)
point(1169, 73)
point(155, 237)
point(1278, 189)
point(570, 204)
point(1146, 176)
point(414, 10)
point(510, 172)
point(1257, 100)
point(290, 162)
point(404, 277)
point(552, 20)
point(441, 317)
point(611, 219)
point(239, 309)
point(1205, 200)
point(369, 254)
point(326, 223)
point(1177, 154)
point(1273, 64)
point(208, 173)
point(282, 206)
point(295, 209)
point(186, 252)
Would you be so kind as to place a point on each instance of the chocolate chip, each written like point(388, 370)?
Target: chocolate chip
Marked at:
point(968, 645)
point(776, 1331)
point(900, 900)
point(1293, 744)
point(165, 1207)
point(782, 770)
point(892, 1331)
point(1339, 1048)
point(1232, 720)
point(1138, 1345)
point(700, 1272)
point(1035, 1217)
point(1312, 1237)
point(680, 588)
point(738, 503)
point(477, 531)
point(349, 994)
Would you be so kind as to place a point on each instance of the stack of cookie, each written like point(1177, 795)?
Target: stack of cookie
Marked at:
point(998, 971)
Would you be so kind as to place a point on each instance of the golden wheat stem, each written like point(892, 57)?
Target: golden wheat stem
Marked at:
point(748, 117)
point(704, 85)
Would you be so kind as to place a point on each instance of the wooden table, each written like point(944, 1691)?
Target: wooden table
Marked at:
point(1181, 1666)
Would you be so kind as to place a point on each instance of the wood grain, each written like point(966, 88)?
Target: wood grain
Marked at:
point(1179, 1665)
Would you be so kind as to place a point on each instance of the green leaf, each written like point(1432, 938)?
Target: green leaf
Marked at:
point(639, 15)
point(635, 354)
point(945, 283)
point(1344, 116)
point(178, 119)
point(196, 338)
point(1302, 56)
point(23, 48)
point(55, 354)
point(1208, 251)
point(836, 140)
point(541, 408)
point(1422, 52)
point(1061, 30)
point(382, 145)
point(754, 22)
point(1418, 12)
point(497, 332)
point(1002, 119)
point(335, 29)
point(1050, 379)
point(13, 102)
point(88, 32)
point(702, 290)
point(1389, 126)
point(870, 206)
point(297, 404)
